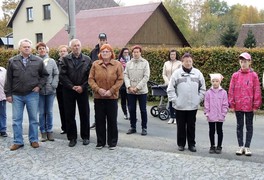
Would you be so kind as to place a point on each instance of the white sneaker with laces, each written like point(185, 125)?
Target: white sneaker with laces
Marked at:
point(240, 151)
point(248, 152)
point(174, 121)
point(170, 121)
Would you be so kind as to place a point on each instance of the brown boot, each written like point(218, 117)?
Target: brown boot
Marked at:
point(16, 147)
point(43, 137)
point(35, 144)
point(50, 136)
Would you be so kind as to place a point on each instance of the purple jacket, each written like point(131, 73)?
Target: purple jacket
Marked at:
point(215, 105)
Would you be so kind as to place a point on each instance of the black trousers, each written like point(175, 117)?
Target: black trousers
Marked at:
point(70, 99)
point(124, 99)
point(186, 127)
point(106, 114)
point(59, 95)
point(219, 129)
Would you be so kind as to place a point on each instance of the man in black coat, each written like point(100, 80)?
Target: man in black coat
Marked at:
point(74, 75)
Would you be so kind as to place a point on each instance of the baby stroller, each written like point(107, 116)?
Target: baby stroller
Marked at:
point(161, 110)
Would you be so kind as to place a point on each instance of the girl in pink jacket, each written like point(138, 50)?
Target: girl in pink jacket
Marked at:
point(215, 109)
point(244, 97)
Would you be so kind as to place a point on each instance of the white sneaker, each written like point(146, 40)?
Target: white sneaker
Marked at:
point(174, 121)
point(126, 117)
point(248, 152)
point(240, 151)
point(170, 121)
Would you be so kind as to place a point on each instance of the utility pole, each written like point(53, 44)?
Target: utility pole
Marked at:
point(71, 27)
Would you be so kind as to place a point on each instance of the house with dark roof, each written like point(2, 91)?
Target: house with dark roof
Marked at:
point(257, 30)
point(149, 25)
point(40, 20)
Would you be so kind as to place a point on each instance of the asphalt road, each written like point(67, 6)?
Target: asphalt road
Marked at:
point(162, 136)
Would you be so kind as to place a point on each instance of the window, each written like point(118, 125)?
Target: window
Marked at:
point(39, 37)
point(46, 11)
point(30, 14)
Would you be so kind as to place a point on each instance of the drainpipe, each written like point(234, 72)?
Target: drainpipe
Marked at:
point(71, 28)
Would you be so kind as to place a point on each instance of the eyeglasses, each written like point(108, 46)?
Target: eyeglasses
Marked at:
point(105, 52)
point(126, 52)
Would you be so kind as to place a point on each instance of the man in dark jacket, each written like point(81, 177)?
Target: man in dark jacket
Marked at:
point(25, 76)
point(74, 75)
point(102, 39)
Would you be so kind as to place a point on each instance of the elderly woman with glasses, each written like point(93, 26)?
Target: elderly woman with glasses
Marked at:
point(186, 90)
point(105, 79)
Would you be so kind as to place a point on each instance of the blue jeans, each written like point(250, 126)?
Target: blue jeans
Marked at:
point(31, 101)
point(142, 99)
point(3, 116)
point(46, 112)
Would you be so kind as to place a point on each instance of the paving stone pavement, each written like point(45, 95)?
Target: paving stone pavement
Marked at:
point(55, 160)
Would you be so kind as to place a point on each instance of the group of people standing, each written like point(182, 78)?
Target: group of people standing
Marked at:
point(186, 90)
point(33, 80)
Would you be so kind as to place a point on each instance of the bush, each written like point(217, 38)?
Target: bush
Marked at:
point(207, 60)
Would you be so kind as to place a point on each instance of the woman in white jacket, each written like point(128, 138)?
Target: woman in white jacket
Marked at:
point(136, 76)
point(186, 90)
point(169, 67)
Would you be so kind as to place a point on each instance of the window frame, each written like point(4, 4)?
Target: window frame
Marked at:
point(29, 14)
point(46, 12)
point(39, 37)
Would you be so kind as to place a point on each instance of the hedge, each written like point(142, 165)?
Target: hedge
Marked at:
point(207, 60)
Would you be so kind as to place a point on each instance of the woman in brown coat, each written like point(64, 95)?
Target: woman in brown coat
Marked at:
point(105, 79)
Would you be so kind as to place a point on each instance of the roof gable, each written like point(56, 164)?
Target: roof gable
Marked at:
point(257, 30)
point(119, 23)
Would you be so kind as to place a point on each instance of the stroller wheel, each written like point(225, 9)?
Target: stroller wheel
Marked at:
point(164, 114)
point(154, 111)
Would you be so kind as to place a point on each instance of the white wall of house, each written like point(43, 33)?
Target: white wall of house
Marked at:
point(24, 29)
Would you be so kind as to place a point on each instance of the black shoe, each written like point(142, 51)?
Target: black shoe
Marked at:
point(181, 148)
point(111, 147)
point(63, 132)
point(144, 132)
point(72, 142)
point(192, 148)
point(3, 134)
point(218, 150)
point(98, 146)
point(86, 141)
point(212, 150)
point(92, 126)
point(131, 131)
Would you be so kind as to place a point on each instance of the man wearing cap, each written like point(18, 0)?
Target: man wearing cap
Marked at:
point(102, 39)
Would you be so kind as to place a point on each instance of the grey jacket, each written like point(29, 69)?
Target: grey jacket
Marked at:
point(53, 78)
point(137, 74)
point(186, 90)
point(21, 80)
